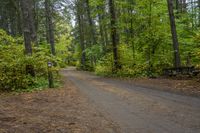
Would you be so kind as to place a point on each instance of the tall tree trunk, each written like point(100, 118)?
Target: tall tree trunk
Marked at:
point(19, 17)
point(177, 61)
point(192, 14)
point(199, 12)
point(32, 23)
point(101, 27)
point(50, 29)
point(177, 5)
point(132, 30)
point(114, 34)
point(47, 31)
point(149, 49)
point(26, 26)
point(25, 5)
point(82, 43)
point(92, 30)
point(105, 26)
point(13, 20)
point(81, 34)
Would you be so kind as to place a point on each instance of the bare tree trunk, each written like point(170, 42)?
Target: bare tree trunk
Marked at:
point(177, 61)
point(81, 35)
point(25, 5)
point(50, 31)
point(101, 27)
point(26, 26)
point(177, 5)
point(92, 30)
point(132, 31)
point(192, 14)
point(105, 27)
point(199, 12)
point(115, 40)
point(32, 23)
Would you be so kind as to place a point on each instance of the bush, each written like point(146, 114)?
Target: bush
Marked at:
point(13, 64)
point(104, 66)
point(131, 66)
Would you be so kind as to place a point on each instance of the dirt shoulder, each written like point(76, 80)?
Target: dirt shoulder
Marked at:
point(55, 110)
point(189, 87)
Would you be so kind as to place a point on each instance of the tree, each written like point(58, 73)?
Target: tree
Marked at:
point(115, 42)
point(26, 13)
point(199, 12)
point(50, 27)
point(81, 34)
point(177, 61)
point(25, 5)
point(32, 22)
point(91, 24)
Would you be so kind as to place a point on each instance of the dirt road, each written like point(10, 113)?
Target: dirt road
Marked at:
point(91, 104)
point(138, 109)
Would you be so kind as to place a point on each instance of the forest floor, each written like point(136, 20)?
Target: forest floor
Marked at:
point(91, 104)
point(63, 110)
point(190, 86)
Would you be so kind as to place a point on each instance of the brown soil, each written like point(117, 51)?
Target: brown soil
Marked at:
point(64, 110)
point(186, 86)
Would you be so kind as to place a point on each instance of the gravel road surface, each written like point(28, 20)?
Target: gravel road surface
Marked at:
point(137, 109)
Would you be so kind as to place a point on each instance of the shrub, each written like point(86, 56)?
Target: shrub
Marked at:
point(13, 63)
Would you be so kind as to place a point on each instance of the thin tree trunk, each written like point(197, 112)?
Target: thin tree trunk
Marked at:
point(105, 28)
point(192, 15)
point(33, 23)
point(92, 31)
point(177, 5)
point(132, 34)
point(50, 31)
point(199, 12)
point(19, 23)
point(101, 27)
point(19, 18)
point(177, 61)
point(81, 35)
point(149, 49)
point(114, 35)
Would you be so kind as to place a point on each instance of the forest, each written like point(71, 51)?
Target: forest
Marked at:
point(120, 38)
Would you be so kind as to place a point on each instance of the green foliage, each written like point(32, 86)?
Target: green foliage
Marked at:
point(145, 43)
point(104, 66)
point(13, 64)
point(94, 51)
point(132, 66)
point(64, 51)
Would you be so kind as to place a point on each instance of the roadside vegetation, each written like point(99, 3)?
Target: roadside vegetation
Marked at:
point(130, 38)
point(14, 65)
point(137, 38)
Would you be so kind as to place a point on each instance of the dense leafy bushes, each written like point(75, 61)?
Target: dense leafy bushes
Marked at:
point(133, 64)
point(13, 63)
